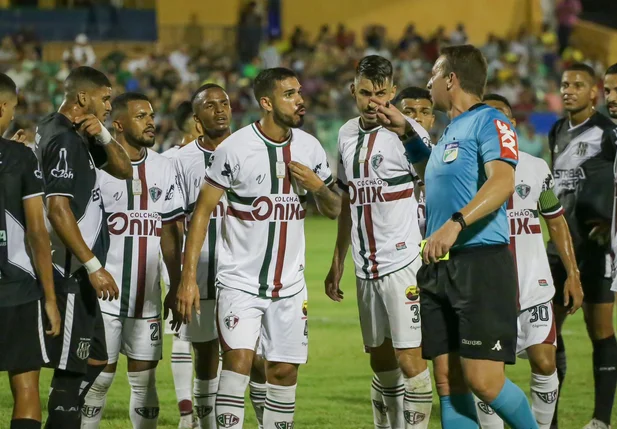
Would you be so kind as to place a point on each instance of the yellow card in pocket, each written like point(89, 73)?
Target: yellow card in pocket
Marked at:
point(445, 257)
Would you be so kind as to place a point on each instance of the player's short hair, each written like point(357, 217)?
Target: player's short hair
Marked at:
point(7, 85)
point(612, 69)
point(266, 80)
point(85, 78)
point(120, 104)
point(376, 69)
point(582, 67)
point(184, 111)
point(413, 92)
point(497, 97)
point(469, 66)
point(202, 89)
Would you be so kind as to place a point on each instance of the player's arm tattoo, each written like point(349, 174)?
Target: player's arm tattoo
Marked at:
point(118, 161)
point(328, 202)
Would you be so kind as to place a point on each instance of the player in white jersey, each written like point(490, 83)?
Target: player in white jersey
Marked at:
point(266, 170)
point(537, 336)
point(377, 182)
point(141, 218)
point(181, 357)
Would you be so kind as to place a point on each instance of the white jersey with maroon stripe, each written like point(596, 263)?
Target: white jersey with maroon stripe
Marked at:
point(374, 170)
point(262, 248)
point(136, 210)
point(190, 162)
point(535, 281)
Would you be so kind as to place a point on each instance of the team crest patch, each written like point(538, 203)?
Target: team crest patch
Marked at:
point(203, 411)
point(413, 417)
point(485, 408)
point(227, 420)
point(83, 350)
point(90, 412)
point(284, 425)
point(149, 413)
point(412, 293)
point(542, 282)
point(376, 161)
point(305, 308)
point(155, 193)
point(450, 153)
point(522, 190)
point(548, 397)
point(231, 322)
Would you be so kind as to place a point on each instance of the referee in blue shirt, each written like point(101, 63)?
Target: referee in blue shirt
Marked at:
point(468, 284)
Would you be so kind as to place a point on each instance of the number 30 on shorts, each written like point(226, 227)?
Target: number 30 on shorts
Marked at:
point(539, 312)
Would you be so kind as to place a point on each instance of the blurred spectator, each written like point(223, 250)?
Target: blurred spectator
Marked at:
point(270, 56)
point(193, 32)
point(81, 52)
point(552, 98)
point(20, 75)
point(249, 32)
point(567, 16)
point(459, 36)
point(410, 38)
point(529, 141)
point(344, 38)
point(7, 50)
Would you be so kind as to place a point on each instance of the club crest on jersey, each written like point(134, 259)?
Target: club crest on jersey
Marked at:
point(376, 161)
point(3, 239)
point(155, 193)
point(450, 153)
point(83, 349)
point(227, 420)
point(380, 407)
point(412, 293)
point(581, 150)
point(231, 322)
point(522, 190)
point(413, 417)
point(485, 408)
point(203, 410)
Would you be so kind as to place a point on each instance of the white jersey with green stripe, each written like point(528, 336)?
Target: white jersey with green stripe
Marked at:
point(375, 172)
point(136, 210)
point(190, 163)
point(262, 247)
point(532, 197)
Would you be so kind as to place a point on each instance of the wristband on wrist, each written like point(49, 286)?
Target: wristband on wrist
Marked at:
point(93, 265)
point(104, 138)
point(415, 149)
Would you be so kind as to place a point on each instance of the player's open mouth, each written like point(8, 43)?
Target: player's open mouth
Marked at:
point(301, 112)
point(220, 119)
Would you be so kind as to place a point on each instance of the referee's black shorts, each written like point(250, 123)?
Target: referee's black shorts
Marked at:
point(83, 332)
point(469, 304)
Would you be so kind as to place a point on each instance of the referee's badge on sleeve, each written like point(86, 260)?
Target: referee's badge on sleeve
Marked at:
point(450, 153)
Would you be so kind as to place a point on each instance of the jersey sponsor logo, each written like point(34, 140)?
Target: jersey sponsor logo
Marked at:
point(149, 413)
point(413, 417)
point(62, 170)
point(548, 397)
point(401, 246)
point(380, 407)
point(203, 410)
point(519, 222)
point(3, 238)
point(135, 223)
point(522, 190)
point(450, 152)
point(231, 322)
point(567, 179)
point(227, 420)
point(376, 161)
point(284, 425)
point(507, 140)
point(83, 349)
point(170, 193)
point(542, 282)
point(155, 193)
point(486, 408)
point(412, 293)
point(277, 207)
point(366, 191)
point(90, 412)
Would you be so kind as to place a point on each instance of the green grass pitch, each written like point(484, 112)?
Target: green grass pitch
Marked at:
point(333, 390)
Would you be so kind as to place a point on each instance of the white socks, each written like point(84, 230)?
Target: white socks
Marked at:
point(418, 400)
point(380, 416)
point(544, 398)
point(230, 399)
point(393, 392)
point(92, 410)
point(257, 393)
point(487, 417)
point(182, 371)
point(280, 407)
point(144, 404)
point(205, 398)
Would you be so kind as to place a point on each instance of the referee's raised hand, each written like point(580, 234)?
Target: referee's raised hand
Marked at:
point(389, 117)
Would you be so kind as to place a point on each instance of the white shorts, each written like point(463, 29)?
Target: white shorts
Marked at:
point(389, 307)
point(536, 325)
point(203, 326)
point(138, 339)
point(281, 324)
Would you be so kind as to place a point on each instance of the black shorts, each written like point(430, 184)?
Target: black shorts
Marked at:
point(596, 285)
point(83, 332)
point(469, 305)
point(22, 338)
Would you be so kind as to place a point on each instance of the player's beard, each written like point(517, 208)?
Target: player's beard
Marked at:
point(613, 114)
point(288, 120)
point(141, 141)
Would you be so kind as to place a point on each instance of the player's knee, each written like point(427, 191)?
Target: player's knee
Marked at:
point(486, 386)
point(282, 374)
point(410, 362)
point(258, 370)
point(238, 361)
point(544, 365)
point(383, 357)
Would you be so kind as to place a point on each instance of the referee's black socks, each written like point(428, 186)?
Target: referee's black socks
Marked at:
point(605, 377)
point(25, 424)
point(63, 405)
